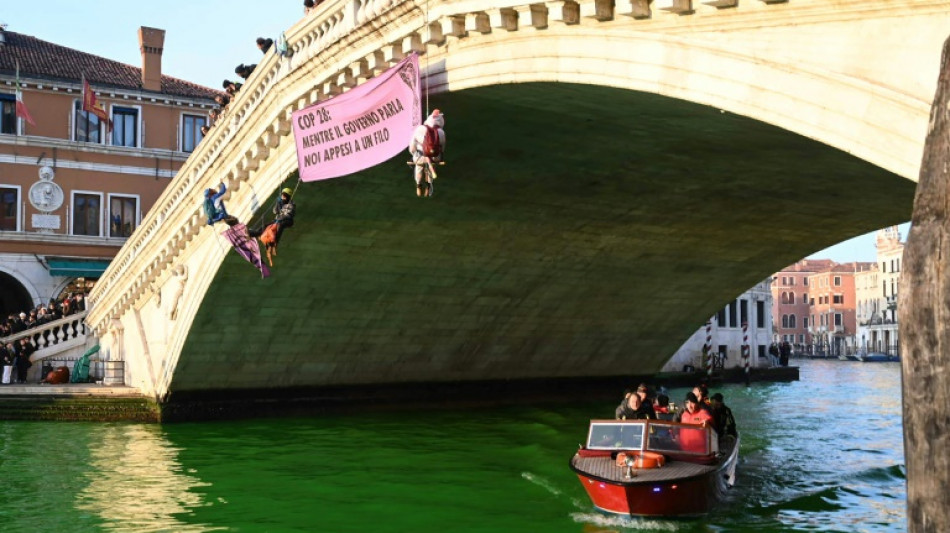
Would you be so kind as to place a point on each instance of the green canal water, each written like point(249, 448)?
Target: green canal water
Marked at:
point(821, 454)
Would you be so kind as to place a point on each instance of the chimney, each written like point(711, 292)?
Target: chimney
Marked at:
point(151, 41)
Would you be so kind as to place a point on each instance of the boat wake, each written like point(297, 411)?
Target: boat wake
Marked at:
point(541, 482)
point(623, 522)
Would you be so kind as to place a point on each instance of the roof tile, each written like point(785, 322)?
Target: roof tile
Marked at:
point(43, 59)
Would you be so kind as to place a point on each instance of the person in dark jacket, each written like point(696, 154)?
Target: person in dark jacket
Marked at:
point(231, 87)
point(722, 415)
point(244, 71)
point(633, 408)
point(7, 356)
point(22, 361)
point(264, 44)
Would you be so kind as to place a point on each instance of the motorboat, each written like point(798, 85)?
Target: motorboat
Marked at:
point(878, 357)
point(655, 468)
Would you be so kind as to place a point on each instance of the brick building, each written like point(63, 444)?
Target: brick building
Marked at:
point(833, 308)
point(791, 312)
point(72, 189)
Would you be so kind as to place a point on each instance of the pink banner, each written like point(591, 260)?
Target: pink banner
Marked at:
point(360, 128)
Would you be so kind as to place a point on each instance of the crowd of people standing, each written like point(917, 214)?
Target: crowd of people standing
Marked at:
point(15, 355)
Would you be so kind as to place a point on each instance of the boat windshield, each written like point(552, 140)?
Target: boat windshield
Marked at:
point(653, 435)
point(671, 437)
point(615, 435)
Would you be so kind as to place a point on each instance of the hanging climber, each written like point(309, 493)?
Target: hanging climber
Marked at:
point(427, 147)
point(284, 211)
point(214, 207)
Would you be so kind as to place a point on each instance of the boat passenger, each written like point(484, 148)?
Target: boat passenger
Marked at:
point(646, 399)
point(692, 440)
point(662, 408)
point(725, 422)
point(633, 408)
point(702, 396)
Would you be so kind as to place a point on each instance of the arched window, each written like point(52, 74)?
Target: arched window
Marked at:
point(791, 321)
point(791, 298)
point(784, 321)
point(784, 297)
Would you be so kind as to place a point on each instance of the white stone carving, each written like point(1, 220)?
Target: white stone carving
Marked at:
point(178, 283)
point(45, 195)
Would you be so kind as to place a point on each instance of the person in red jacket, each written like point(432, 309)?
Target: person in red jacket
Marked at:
point(694, 440)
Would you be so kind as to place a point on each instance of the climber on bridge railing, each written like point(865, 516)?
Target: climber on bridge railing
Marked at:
point(214, 207)
point(427, 147)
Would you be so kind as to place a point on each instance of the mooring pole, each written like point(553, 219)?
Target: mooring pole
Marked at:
point(924, 324)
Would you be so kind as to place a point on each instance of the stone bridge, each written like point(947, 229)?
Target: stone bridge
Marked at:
point(617, 171)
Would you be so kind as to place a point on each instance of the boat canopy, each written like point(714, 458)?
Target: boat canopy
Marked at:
point(659, 436)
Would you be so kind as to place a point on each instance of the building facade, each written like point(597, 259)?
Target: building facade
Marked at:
point(73, 186)
point(878, 321)
point(833, 309)
point(791, 311)
point(745, 320)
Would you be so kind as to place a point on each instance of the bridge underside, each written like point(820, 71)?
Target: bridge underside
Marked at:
point(575, 231)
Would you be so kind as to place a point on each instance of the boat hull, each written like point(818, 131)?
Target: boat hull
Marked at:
point(680, 497)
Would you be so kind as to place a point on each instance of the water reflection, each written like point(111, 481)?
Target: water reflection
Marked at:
point(136, 482)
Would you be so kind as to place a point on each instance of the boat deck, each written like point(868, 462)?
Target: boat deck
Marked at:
point(606, 468)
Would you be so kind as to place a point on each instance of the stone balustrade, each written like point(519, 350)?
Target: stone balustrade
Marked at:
point(54, 338)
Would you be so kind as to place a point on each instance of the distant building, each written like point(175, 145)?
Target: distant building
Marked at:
point(878, 322)
point(72, 190)
point(870, 303)
point(748, 316)
point(832, 314)
point(791, 302)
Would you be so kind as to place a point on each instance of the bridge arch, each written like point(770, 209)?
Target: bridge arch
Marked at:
point(671, 56)
point(18, 294)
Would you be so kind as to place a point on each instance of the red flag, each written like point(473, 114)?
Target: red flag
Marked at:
point(21, 110)
point(92, 105)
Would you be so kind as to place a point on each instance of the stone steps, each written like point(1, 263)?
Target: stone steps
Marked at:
point(75, 403)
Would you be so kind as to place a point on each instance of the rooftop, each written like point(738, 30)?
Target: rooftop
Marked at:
point(43, 59)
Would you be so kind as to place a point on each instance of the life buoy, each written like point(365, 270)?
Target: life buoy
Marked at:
point(642, 460)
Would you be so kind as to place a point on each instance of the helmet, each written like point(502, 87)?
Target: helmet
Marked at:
point(288, 191)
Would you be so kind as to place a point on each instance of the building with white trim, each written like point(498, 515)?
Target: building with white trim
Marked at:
point(72, 189)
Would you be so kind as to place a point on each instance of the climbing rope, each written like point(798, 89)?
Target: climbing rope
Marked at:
point(428, 29)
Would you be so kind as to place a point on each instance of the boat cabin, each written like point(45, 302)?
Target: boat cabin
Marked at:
point(682, 442)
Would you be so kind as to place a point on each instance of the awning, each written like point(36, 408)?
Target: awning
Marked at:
point(77, 268)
